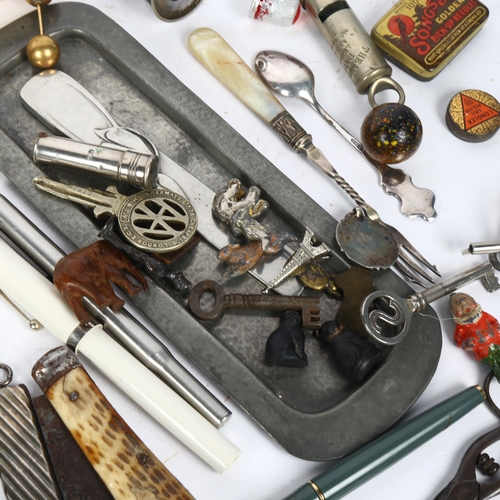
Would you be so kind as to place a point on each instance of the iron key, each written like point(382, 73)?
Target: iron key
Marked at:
point(403, 309)
point(308, 306)
point(153, 220)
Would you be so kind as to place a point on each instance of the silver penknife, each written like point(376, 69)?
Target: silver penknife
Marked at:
point(68, 109)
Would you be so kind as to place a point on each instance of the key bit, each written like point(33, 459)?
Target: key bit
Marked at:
point(307, 252)
point(308, 306)
point(153, 220)
point(403, 309)
point(356, 283)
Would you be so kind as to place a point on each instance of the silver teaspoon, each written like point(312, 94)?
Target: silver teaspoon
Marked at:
point(292, 78)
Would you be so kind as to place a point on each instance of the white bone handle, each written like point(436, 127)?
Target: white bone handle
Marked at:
point(225, 64)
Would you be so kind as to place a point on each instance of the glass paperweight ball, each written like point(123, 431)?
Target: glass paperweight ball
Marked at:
point(391, 133)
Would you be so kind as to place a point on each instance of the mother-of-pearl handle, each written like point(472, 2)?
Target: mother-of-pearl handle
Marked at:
point(224, 63)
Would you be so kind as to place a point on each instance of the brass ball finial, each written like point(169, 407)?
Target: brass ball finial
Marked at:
point(42, 50)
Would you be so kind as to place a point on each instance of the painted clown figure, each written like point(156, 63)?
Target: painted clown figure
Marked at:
point(476, 331)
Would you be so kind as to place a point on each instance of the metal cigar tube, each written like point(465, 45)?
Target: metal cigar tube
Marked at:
point(352, 45)
point(139, 169)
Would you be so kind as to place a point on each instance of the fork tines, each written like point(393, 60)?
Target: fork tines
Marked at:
point(412, 267)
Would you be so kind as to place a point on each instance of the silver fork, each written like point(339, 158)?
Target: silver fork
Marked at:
point(409, 260)
point(226, 65)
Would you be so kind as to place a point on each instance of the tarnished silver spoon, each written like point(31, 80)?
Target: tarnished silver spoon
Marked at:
point(292, 78)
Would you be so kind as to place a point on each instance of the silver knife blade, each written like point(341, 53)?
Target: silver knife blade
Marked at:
point(67, 108)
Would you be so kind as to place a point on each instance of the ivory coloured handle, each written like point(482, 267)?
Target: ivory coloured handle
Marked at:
point(224, 63)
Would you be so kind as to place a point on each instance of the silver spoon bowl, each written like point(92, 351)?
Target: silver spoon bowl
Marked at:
point(290, 77)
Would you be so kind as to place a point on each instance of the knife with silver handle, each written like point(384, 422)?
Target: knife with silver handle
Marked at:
point(67, 108)
point(25, 468)
point(129, 332)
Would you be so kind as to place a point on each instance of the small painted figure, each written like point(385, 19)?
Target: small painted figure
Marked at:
point(89, 272)
point(476, 330)
point(355, 355)
point(285, 346)
point(239, 209)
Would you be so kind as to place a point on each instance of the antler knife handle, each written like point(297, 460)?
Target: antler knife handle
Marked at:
point(75, 475)
point(124, 463)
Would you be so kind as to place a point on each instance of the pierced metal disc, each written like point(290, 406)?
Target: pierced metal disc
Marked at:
point(157, 220)
point(366, 242)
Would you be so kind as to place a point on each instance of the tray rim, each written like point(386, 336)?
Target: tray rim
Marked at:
point(301, 434)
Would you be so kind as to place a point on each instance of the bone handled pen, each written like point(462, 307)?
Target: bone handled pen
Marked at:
point(141, 343)
point(40, 298)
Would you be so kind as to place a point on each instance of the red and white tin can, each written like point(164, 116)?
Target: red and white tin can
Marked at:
point(284, 12)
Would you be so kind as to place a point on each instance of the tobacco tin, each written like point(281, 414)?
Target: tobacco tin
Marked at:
point(473, 115)
point(423, 36)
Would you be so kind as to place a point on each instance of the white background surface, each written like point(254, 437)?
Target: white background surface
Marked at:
point(463, 176)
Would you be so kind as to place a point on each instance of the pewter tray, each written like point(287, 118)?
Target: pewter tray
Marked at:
point(315, 413)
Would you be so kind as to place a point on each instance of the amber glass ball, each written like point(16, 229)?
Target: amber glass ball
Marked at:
point(391, 133)
point(43, 51)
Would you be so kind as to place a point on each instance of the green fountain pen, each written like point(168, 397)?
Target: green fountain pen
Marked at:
point(387, 449)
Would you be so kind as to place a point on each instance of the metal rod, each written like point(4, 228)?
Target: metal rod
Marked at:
point(40, 22)
point(483, 247)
